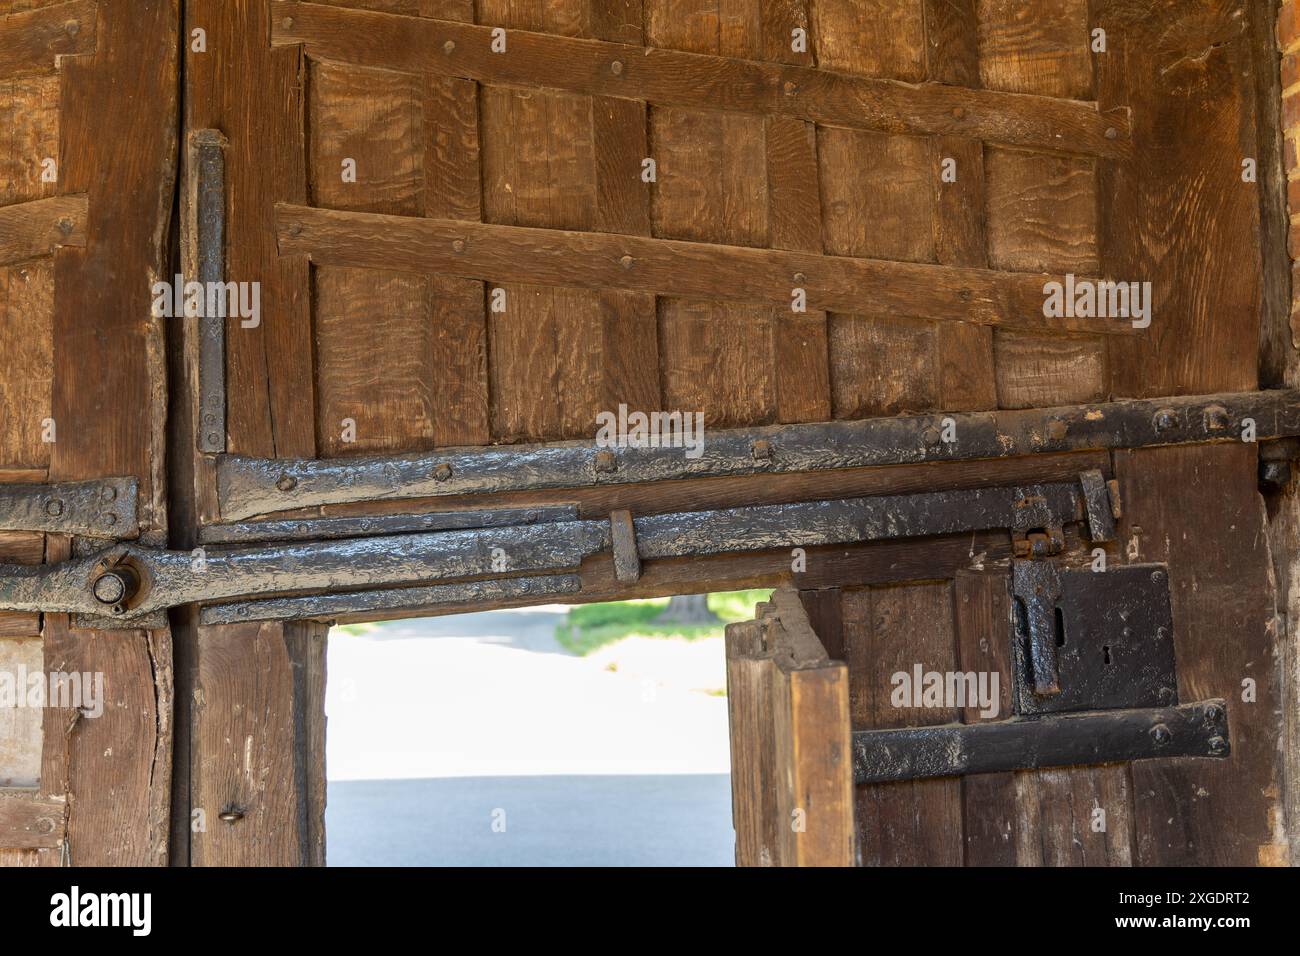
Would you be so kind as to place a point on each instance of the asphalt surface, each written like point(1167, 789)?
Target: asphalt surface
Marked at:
point(618, 758)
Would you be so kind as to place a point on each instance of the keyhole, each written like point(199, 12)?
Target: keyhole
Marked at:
point(1105, 653)
point(1060, 628)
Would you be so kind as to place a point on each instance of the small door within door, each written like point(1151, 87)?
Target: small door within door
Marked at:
point(791, 761)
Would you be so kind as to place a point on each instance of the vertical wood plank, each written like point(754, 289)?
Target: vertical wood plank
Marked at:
point(257, 745)
point(753, 754)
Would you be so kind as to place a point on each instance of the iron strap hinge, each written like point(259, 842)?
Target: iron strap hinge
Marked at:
point(104, 508)
point(316, 567)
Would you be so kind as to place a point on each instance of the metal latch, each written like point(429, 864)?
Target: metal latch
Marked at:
point(1094, 681)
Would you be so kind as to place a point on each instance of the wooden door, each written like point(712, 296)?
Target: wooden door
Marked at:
point(830, 229)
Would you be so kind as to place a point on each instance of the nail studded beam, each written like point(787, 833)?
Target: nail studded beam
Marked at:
point(254, 486)
point(675, 78)
point(594, 260)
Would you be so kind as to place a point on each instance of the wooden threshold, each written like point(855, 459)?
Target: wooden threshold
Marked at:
point(699, 81)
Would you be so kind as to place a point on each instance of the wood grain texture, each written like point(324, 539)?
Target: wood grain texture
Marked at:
point(26, 340)
point(1198, 510)
point(882, 38)
point(255, 94)
point(674, 78)
point(29, 135)
point(739, 391)
point(877, 195)
point(1178, 214)
point(1034, 371)
point(31, 822)
point(882, 366)
point(748, 29)
point(257, 745)
point(1035, 48)
point(674, 268)
point(31, 40)
point(952, 41)
point(34, 229)
point(917, 822)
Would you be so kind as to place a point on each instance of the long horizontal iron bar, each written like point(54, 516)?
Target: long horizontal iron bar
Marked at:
point(104, 508)
point(599, 260)
point(255, 486)
point(393, 599)
point(315, 529)
point(133, 581)
point(676, 78)
point(912, 753)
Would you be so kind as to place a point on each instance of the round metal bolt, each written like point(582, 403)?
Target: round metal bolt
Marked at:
point(108, 519)
point(800, 278)
point(1214, 713)
point(449, 46)
point(65, 226)
point(54, 507)
point(1112, 132)
point(1057, 429)
point(789, 88)
point(616, 67)
point(114, 586)
point(930, 436)
point(1218, 745)
point(626, 262)
point(458, 245)
point(1164, 419)
point(45, 825)
point(1157, 577)
point(72, 27)
point(108, 493)
point(1166, 695)
point(442, 472)
point(213, 438)
point(762, 450)
point(287, 483)
point(606, 461)
point(233, 815)
point(1161, 735)
point(1216, 418)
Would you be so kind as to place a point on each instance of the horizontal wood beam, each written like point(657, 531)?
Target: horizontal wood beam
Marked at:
point(248, 487)
point(31, 41)
point(29, 230)
point(593, 260)
point(693, 80)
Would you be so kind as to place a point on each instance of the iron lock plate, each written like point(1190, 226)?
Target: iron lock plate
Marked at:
point(1110, 635)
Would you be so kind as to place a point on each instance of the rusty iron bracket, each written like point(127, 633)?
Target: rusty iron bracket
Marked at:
point(1068, 740)
point(127, 583)
point(209, 172)
point(104, 508)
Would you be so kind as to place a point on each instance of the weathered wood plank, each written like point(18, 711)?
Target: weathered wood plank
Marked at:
point(26, 384)
point(31, 40)
point(520, 254)
point(257, 745)
point(31, 822)
point(37, 228)
point(749, 718)
point(682, 79)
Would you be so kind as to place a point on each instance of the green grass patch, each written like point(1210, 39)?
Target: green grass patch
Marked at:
point(591, 626)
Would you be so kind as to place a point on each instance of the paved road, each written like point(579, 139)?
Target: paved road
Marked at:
point(617, 758)
point(675, 820)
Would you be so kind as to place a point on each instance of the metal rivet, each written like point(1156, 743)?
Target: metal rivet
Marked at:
point(1161, 735)
point(1218, 745)
point(287, 22)
point(762, 450)
point(1164, 419)
point(287, 483)
point(1216, 418)
point(1057, 429)
point(959, 112)
point(45, 825)
point(458, 245)
point(930, 436)
point(233, 815)
point(790, 88)
point(72, 27)
point(1112, 132)
point(626, 262)
point(108, 519)
point(54, 507)
point(442, 472)
point(213, 438)
point(65, 226)
point(616, 67)
point(606, 461)
point(1157, 576)
point(1214, 713)
point(108, 493)
point(449, 46)
point(800, 278)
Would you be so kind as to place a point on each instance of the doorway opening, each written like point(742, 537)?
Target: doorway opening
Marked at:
point(550, 735)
